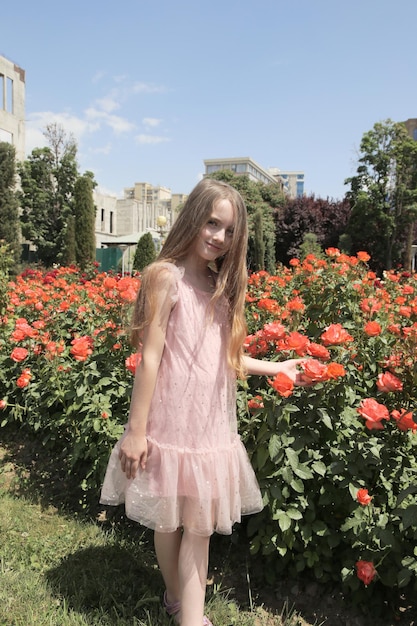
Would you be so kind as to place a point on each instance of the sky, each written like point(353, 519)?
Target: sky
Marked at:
point(151, 88)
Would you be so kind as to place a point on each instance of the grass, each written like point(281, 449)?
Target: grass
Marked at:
point(60, 569)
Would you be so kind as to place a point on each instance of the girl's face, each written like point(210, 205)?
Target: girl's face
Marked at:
point(215, 238)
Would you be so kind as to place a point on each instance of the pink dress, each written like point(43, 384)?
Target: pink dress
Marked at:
point(198, 474)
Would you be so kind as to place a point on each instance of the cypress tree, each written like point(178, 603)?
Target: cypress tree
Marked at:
point(9, 212)
point(144, 253)
point(85, 211)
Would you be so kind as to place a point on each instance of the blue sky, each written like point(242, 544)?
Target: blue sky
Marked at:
point(151, 88)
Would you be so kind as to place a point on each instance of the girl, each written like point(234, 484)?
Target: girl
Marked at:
point(180, 466)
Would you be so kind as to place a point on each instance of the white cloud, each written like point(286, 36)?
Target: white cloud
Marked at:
point(147, 88)
point(149, 139)
point(152, 122)
point(115, 122)
point(108, 104)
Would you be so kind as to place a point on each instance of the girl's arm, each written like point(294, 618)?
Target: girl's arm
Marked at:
point(257, 367)
point(134, 447)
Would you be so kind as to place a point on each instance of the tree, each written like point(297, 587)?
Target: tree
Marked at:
point(47, 180)
point(258, 197)
point(259, 243)
point(145, 252)
point(383, 195)
point(9, 211)
point(85, 214)
point(325, 218)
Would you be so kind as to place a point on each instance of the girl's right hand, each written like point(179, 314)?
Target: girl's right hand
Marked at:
point(133, 454)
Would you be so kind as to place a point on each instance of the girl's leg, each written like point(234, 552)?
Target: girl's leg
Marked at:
point(193, 566)
point(167, 548)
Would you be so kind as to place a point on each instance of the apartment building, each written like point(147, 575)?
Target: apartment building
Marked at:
point(12, 106)
point(291, 183)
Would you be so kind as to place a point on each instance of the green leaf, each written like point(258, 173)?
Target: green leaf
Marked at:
point(404, 577)
point(319, 467)
point(274, 447)
point(284, 522)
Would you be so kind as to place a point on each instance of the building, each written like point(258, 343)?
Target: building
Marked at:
point(12, 106)
point(240, 165)
point(121, 222)
point(411, 126)
point(291, 183)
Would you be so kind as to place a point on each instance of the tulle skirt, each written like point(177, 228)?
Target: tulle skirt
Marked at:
point(204, 490)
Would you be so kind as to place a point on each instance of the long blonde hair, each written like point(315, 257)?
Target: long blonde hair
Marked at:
point(231, 269)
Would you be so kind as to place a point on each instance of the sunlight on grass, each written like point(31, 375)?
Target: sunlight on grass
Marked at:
point(59, 571)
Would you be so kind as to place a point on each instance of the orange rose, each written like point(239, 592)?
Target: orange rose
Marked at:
point(24, 379)
point(19, 354)
point(133, 361)
point(318, 351)
point(404, 420)
point(373, 412)
point(255, 403)
point(273, 331)
point(363, 497)
point(3, 404)
point(282, 384)
point(366, 571)
point(81, 348)
point(298, 342)
point(335, 370)
point(314, 371)
point(388, 382)
point(335, 335)
point(363, 256)
point(372, 329)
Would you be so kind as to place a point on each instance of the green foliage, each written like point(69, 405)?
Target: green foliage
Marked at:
point(9, 217)
point(383, 195)
point(85, 213)
point(47, 179)
point(259, 244)
point(312, 450)
point(145, 252)
point(310, 245)
point(6, 264)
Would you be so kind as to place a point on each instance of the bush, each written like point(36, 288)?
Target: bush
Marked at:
point(63, 367)
point(336, 461)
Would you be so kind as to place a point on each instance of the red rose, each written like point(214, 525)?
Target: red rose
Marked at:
point(388, 382)
point(373, 412)
point(282, 384)
point(19, 354)
point(366, 571)
point(363, 497)
point(3, 404)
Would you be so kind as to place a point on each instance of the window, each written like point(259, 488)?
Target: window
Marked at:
point(2, 88)
point(9, 95)
point(111, 221)
point(415, 134)
point(300, 189)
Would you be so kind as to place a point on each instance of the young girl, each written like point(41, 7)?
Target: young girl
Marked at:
point(180, 466)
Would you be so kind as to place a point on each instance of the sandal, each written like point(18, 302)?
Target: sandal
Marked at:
point(173, 608)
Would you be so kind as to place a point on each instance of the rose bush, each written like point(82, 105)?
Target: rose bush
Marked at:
point(336, 461)
point(63, 348)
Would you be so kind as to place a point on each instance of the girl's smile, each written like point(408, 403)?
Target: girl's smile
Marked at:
point(215, 238)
